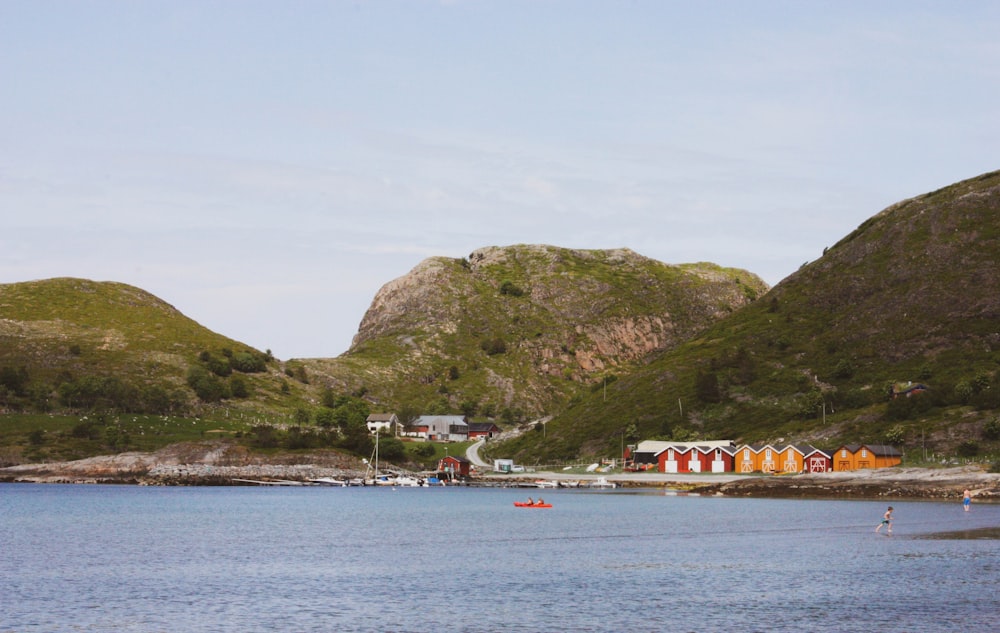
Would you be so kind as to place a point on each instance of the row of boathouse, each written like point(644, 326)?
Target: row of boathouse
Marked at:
point(722, 456)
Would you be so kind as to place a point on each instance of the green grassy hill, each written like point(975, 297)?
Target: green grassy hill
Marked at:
point(912, 295)
point(128, 363)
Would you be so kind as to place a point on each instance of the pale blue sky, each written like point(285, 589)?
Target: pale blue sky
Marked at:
point(266, 167)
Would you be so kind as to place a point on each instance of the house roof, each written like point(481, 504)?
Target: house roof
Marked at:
point(883, 450)
point(657, 446)
point(756, 448)
point(456, 458)
point(439, 419)
point(851, 447)
point(813, 450)
point(381, 417)
point(482, 427)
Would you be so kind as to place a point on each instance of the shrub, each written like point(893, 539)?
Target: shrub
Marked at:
point(391, 448)
point(991, 430)
point(896, 434)
point(248, 363)
point(426, 449)
point(264, 436)
point(907, 408)
point(15, 380)
point(208, 387)
point(968, 448)
point(844, 369)
point(36, 437)
point(494, 346)
point(219, 366)
point(325, 418)
point(238, 387)
point(85, 431)
point(508, 287)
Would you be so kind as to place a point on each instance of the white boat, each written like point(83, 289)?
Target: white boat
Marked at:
point(602, 482)
point(329, 481)
point(406, 481)
point(541, 483)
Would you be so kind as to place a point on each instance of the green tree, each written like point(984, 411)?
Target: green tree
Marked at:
point(264, 436)
point(248, 362)
point(329, 398)
point(991, 430)
point(391, 449)
point(208, 386)
point(844, 370)
point(469, 408)
point(896, 434)
point(509, 288)
point(325, 418)
point(238, 387)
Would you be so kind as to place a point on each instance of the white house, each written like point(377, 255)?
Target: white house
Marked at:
point(381, 422)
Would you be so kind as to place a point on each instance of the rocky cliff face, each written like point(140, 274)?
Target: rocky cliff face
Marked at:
point(530, 325)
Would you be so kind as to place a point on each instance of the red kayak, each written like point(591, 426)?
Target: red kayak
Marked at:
point(525, 504)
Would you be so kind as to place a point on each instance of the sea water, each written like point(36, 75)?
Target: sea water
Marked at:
point(120, 558)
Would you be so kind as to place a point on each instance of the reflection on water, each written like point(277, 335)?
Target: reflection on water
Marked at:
point(90, 558)
point(978, 533)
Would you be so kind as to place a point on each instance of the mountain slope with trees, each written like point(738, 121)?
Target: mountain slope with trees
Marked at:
point(910, 297)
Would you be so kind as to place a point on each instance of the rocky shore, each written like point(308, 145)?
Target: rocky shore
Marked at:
point(221, 464)
point(903, 483)
point(195, 464)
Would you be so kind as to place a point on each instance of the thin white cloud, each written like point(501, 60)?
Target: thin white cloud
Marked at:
point(268, 171)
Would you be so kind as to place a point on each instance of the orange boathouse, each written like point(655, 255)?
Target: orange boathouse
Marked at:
point(862, 456)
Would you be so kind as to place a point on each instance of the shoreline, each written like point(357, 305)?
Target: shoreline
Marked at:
point(207, 465)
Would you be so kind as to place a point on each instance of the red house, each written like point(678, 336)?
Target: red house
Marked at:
point(712, 459)
point(454, 466)
point(712, 456)
point(817, 461)
point(486, 430)
point(675, 459)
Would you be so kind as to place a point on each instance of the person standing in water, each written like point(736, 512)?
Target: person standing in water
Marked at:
point(967, 499)
point(886, 520)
